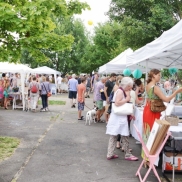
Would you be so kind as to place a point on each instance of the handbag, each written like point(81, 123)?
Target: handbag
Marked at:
point(48, 93)
point(157, 105)
point(125, 109)
point(103, 97)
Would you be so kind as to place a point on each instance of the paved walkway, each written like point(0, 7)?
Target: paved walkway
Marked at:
point(56, 147)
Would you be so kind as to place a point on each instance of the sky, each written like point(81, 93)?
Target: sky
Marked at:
point(96, 14)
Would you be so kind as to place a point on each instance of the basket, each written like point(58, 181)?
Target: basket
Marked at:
point(173, 120)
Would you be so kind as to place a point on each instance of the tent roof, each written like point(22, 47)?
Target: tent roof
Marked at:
point(14, 68)
point(117, 64)
point(163, 52)
point(45, 70)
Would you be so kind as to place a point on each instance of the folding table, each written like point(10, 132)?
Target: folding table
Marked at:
point(175, 137)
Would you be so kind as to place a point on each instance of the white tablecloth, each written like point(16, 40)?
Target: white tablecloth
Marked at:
point(139, 121)
point(176, 128)
point(177, 110)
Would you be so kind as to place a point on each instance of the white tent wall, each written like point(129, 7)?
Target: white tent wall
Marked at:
point(163, 52)
point(47, 70)
point(117, 64)
point(16, 68)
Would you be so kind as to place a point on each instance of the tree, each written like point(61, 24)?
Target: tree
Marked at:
point(105, 45)
point(67, 60)
point(32, 22)
point(144, 20)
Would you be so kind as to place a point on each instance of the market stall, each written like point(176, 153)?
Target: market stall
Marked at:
point(17, 68)
point(47, 70)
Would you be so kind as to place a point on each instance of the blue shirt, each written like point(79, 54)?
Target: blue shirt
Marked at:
point(72, 84)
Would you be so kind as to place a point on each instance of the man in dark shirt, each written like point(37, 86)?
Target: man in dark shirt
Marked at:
point(107, 91)
point(109, 86)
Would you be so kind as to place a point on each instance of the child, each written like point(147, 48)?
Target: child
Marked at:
point(81, 88)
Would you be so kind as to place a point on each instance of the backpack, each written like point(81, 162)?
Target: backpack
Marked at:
point(34, 88)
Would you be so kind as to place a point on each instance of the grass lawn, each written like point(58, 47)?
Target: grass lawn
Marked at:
point(54, 102)
point(7, 146)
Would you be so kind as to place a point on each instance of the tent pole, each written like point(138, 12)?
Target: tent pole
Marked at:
point(146, 77)
point(23, 89)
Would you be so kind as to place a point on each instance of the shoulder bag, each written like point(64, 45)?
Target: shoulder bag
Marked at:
point(48, 93)
point(123, 110)
point(157, 105)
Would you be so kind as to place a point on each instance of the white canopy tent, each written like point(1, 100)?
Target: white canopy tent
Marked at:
point(163, 52)
point(17, 68)
point(117, 64)
point(47, 70)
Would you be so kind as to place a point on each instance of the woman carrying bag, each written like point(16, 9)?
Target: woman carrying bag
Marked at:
point(45, 90)
point(154, 105)
point(118, 124)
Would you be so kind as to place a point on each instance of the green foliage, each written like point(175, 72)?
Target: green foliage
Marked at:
point(33, 22)
point(144, 20)
point(106, 45)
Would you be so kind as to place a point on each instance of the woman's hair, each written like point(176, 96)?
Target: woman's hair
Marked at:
point(47, 79)
point(125, 81)
point(43, 78)
point(119, 78)
point(138, 82)
point(151, 74)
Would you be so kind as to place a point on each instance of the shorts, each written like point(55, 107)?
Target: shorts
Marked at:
point(81, 106)
point(59, 86)
point(88, 89)
point(72, 94)
point(99, 104)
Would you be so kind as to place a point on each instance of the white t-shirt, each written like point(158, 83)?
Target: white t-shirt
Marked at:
point(59, 80)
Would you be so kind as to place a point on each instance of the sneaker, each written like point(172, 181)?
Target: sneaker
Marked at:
point(42, 110)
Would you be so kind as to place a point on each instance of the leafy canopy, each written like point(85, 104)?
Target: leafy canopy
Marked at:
point(32, 22)
point(144, 20)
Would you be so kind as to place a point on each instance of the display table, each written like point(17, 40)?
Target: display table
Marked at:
point(138, 123)
point(172, 155)
point(16, 95)
point(139, 120)
point(177, 111)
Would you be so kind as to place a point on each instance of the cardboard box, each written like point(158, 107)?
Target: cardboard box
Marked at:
point(162, 131)
point(167, 164)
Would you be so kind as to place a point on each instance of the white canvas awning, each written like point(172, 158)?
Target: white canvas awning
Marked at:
point(163, 52)
point(117, 65)
point(14, 68)
point(45, 70)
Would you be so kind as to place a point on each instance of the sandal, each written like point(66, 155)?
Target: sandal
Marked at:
point(112, 157)
point(130, 150)
point(101, 121)
point(131, 158)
